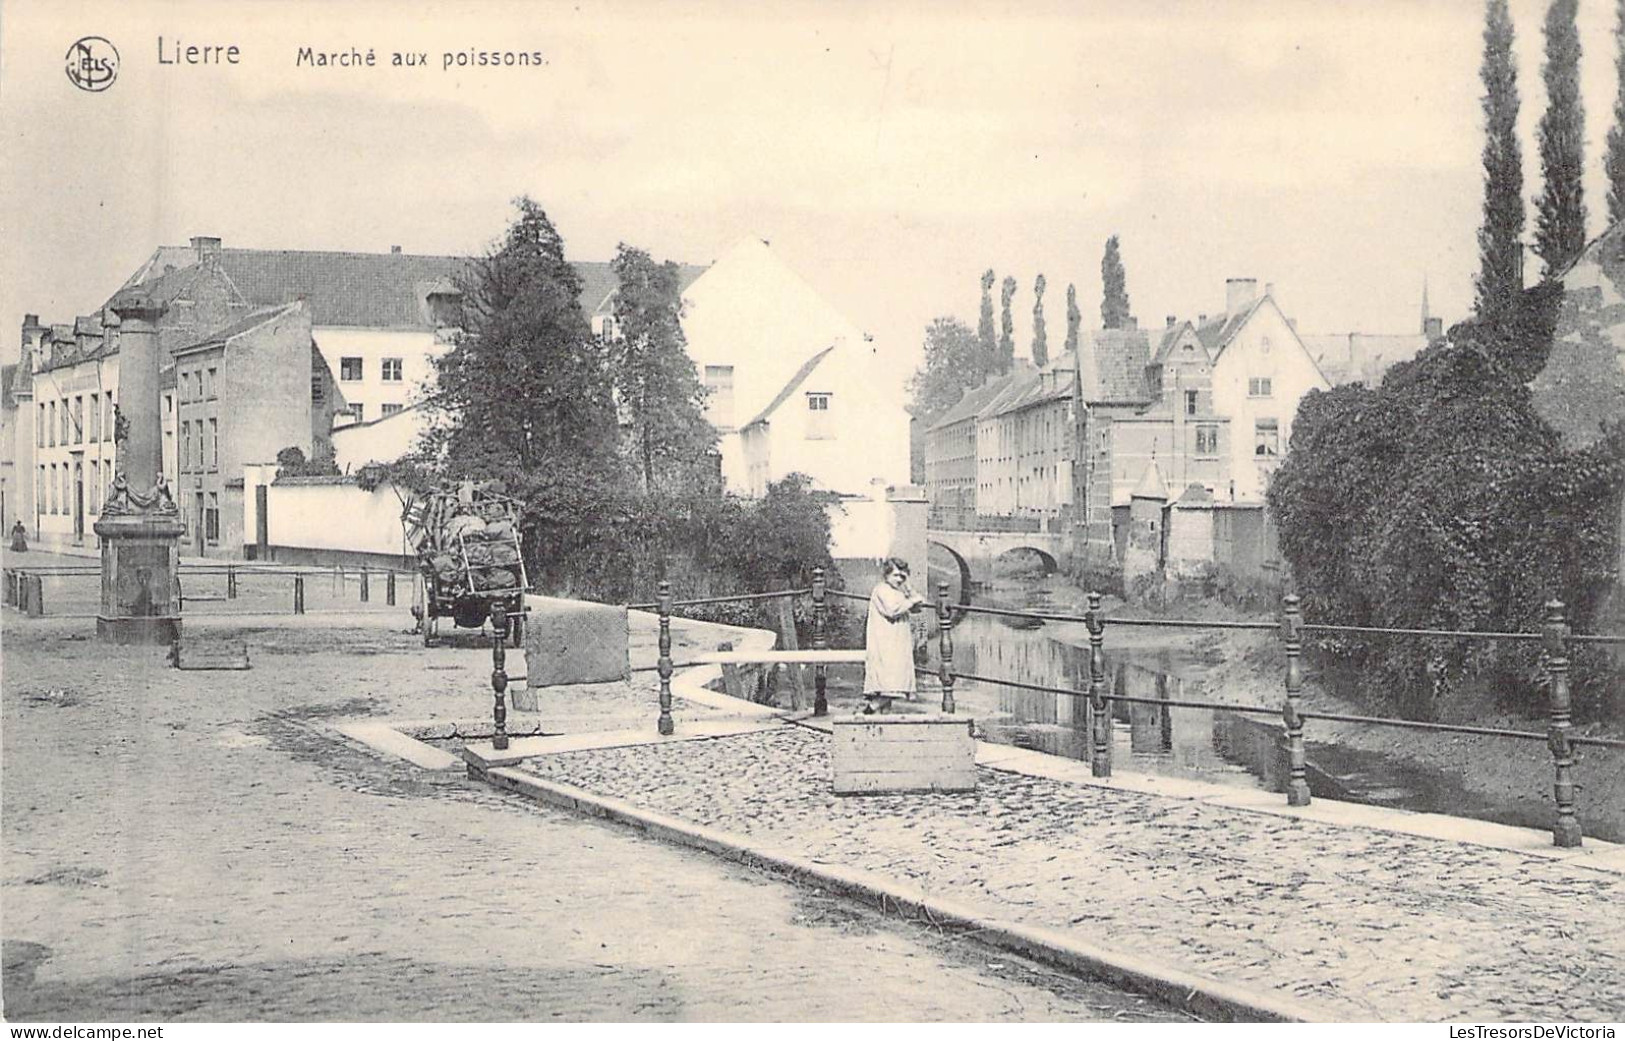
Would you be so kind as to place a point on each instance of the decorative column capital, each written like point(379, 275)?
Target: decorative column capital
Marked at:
point(138, 304)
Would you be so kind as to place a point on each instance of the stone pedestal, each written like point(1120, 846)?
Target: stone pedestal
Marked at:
point(140, 559)
point(879, 753)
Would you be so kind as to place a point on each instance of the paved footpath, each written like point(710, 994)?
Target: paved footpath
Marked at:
point(1358, 923)
point(207, 846)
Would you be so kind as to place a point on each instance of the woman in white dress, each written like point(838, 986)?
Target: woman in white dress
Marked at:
point(888, 661)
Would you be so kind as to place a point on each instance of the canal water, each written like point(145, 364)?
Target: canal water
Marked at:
point(1244, 750)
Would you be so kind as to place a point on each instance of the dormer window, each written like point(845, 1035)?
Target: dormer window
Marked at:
point(445, 310)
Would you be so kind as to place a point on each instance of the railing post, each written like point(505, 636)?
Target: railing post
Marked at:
point(1100, 757)
point(231, 582)
point(820, 671)
point(1566, 827)
point(366, 592)
point(389, 589)
point(499, 673)
point(945, 645)
point(36, 596)
point(299, 594)
point(1297, 780)
point(665, 725)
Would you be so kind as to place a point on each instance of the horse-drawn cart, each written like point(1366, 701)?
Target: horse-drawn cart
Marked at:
point(467, 545)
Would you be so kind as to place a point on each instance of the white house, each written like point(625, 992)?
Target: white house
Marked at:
point(794, 384)
point(1260, 371)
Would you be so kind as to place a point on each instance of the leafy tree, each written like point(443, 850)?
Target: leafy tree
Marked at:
point(1074, 317)
point(985, 333)
point(1040, 336)
point(1560, 221)
point(1007, 325)
point(1500, 249)
point(1114, 306)
point(1442, 500)
point(1614, 163)
point(953, 364)
point(524, 396)
point(661, 398)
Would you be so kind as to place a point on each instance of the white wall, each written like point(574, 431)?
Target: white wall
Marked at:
point(383, 441)
point(1266, 346)
point(305, 516)
point(415, 348)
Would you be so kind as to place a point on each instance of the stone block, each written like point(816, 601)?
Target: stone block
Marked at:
point(913, 753)
point(570, 641)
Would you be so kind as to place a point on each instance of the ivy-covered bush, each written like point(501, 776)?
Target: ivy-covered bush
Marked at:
point(1442, 500)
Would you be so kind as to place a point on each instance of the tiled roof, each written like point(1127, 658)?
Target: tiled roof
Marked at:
point(1121, 356)
point(790, 388)
point(1151, 484)
point(242, 325)
point(1051, 384)
point(365, 290)
point(971, 402)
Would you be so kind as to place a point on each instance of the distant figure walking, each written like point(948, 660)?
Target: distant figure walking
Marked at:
point(888, 661)
point(19, 538)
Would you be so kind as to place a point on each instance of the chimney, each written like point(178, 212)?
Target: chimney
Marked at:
point(1201, 319)
point(207, 247)
point(31, 321)
point(1239, 293)
point(394, 249)
point(1171, 321)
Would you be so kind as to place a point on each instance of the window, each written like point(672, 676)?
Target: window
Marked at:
point(211, 518)
point(1258, 387)
point(318, 389)
point(186, 445)
point(359, 411)
point(719, 399)
point(67, 421)
point(53, 488)
point(79, 419)
point(392, 370)
point(39, 488)
point(209, 388)
point(107, 428)
point(1190, 403)
point(349, 369)
point(39, 431)
point(95, 486)
point(389, 408)
point(1207, 440)
point(1266, 439)
point(51, 426)
point(214, 444)
point(95, 417)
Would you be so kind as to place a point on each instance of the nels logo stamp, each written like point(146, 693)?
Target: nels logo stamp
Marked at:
point(92, 63)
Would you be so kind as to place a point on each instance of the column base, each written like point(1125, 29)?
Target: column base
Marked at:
point(144, 630)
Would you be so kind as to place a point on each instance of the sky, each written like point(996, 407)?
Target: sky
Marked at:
point(889, 152)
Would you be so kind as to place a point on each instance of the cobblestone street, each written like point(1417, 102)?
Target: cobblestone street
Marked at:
point(1362, 923)
point(204, 846)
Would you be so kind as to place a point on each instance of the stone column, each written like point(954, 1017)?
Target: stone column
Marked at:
point(140, 527)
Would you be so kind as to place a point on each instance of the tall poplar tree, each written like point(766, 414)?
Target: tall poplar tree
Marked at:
point(986, 335)
point(1040, 334)
point(1500, 246)
point(1114, 306)
point(1074, 317)
point(1560, 220)
point(1007, 325)
point(1614, 162)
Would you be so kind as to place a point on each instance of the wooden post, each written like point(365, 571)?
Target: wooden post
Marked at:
point(299, 594)
point(35, 585)
point(665, 725)
point(1100, 753)
point(1566, 827)
point(389, 589)
point(366, 592)
point(1297, 779)
point(499, 673)
point(945, 646)
point(820, 642)
point(231, 582)
point(785, 608)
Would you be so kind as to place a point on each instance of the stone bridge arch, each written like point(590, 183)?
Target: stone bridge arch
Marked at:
point(965, 577)
point(1051, 565)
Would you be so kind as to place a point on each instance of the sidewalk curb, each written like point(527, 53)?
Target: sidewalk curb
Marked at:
point(1199, 995)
